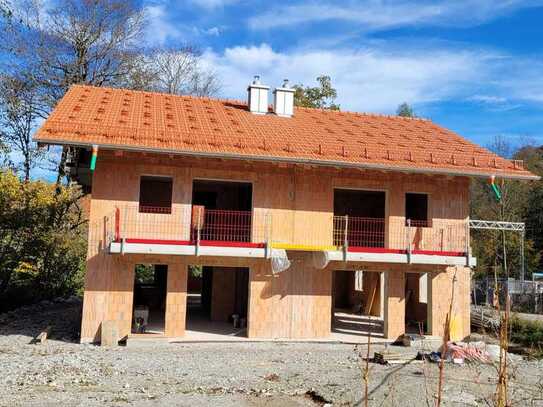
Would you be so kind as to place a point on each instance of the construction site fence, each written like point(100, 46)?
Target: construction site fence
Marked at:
point(525, 296)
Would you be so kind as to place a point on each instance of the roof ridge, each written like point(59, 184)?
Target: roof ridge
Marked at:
point(242, 102)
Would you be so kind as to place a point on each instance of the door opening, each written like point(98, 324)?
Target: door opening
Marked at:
point(217, 300)
point(149, 306)
point(357, 303)
point(416, 303)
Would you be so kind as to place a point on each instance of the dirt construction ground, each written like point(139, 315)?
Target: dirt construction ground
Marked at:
point(62, 372)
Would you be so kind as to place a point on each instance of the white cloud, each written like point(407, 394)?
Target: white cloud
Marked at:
point(213, 31)
point(523, 80)
point(375, 15)
point(159, 28)
point(372, 79)
point(162, 27)
point(489, 99)
point(212, 4)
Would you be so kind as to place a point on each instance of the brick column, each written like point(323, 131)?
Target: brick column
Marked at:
point(439, 298)
point(109, 286)
point(295, 303)
point(176, 300)
point(394, 304)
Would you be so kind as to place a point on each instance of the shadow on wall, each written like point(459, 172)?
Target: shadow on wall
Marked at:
point(301, 278)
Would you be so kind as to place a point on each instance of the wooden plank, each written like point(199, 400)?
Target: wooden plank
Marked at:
point(369, 304)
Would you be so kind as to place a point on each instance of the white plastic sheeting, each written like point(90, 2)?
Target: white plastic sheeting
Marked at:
point(279, 261)
point(423, 288)
point(320, 259)
point(359, 280)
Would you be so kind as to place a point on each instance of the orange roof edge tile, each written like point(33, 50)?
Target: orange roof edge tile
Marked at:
point(188, 125)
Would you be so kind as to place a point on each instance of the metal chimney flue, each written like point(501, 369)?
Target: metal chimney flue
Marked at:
point(258, 96)
point(283, 100)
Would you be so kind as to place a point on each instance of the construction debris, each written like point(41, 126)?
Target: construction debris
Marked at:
point(460, 352)
point(393, 358)
point(42, 336)
point(484, 318)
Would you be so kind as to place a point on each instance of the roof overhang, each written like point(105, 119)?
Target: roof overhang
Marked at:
point(295, 160)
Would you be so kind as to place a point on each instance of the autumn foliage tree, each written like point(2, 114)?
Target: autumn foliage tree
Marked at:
point(42, 240)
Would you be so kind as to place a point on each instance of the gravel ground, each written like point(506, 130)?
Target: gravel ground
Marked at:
point(61, 372)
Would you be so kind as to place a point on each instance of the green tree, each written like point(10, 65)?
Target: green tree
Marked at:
point(42, 239)
point(533, 208)
point(319, 97)
point(404, 110)
point(145, 273)
point(514, 205)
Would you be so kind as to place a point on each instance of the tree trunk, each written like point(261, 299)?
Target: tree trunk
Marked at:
point(61, 169)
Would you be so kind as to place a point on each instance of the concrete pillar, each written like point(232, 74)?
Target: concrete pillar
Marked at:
point(176, 300)
point(440, 286)
point(394, 304)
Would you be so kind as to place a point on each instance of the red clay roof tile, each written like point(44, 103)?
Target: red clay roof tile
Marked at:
point(124, 119)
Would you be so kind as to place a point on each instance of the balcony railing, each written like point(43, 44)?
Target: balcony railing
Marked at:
point(359, 232)
point(193, 225)
point(447, 237)
point(221, 225)
point(155, 209)
point(188, 225)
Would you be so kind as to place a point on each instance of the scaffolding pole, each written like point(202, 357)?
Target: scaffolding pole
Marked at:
point(519, 227)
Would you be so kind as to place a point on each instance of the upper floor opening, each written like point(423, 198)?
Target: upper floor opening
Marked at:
point(360, 215)
point(221, 211)
point(155, 194)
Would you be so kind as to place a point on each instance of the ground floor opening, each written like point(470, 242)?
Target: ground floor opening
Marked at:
point(237, 300)
point(416, 303)
point(149, 305)
point(357, 303)
point(217, 301)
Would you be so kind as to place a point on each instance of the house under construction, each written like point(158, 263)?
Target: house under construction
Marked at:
point(238, 218)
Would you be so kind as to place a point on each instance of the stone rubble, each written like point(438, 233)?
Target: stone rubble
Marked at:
point(63, 372)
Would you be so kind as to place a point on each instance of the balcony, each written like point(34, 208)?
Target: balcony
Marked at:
point(196, 230)
point(415, 237)
point(181, 230)
point(358, 232)
point(225, 227)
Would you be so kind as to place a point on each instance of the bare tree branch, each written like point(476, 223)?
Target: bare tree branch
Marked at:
point(18, 112)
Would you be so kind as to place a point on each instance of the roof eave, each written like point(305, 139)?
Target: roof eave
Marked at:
point(325, 163)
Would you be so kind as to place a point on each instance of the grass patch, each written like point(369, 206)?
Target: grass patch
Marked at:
point(528, 334)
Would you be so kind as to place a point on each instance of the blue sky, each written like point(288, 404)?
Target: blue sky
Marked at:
point(474, 66)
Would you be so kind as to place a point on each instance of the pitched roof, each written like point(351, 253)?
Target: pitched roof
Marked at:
point(134, 120)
